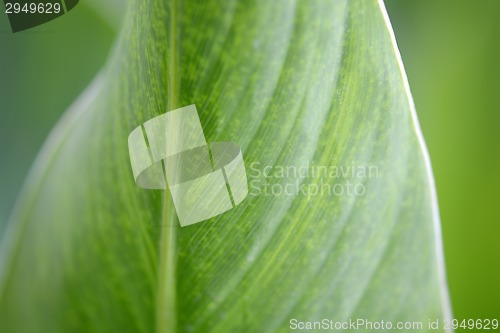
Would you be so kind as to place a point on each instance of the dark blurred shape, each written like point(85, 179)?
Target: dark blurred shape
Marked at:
point(26, 14)
point(70, 4)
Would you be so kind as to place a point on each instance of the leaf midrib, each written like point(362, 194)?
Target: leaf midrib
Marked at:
point(166, 306)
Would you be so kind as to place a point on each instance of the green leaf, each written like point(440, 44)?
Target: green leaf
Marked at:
point(294, 84)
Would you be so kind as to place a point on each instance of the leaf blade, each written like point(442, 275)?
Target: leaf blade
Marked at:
point(308, 88)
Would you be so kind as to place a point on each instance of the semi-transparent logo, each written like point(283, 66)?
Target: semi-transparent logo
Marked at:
point(204, 179)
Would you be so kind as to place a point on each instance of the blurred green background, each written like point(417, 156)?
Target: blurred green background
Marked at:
point(451, 53)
